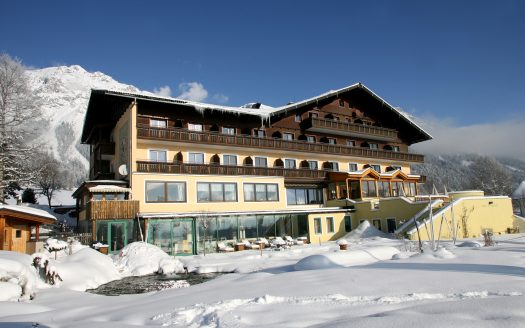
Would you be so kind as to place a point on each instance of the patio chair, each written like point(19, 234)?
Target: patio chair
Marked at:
point(249, 245)
point(222, 247)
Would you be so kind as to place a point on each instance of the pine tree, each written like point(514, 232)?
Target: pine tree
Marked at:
point(28, 196)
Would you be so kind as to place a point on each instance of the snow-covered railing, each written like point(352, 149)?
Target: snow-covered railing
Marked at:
point(418, 216)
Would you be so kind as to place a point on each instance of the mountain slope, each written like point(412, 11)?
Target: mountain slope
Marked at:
point(64, 92)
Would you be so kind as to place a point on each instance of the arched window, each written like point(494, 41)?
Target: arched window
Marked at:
point(214, 128)
point(365, 145)
point(302, 137)
point(358, 121)
point(277, 135)
point(304, 164)
point(324, 140)
point(278, 163)
point(179, 123)
point(178, 158)
point(329, 116)
point(215, 160)
point(246, 131)
point(248, 161)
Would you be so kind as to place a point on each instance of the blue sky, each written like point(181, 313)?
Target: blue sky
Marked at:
point(457, 61)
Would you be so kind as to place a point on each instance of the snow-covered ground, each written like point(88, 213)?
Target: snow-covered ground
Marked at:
point(375, 283)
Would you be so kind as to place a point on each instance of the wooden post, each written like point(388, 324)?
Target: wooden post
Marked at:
point(2, 233)
point(37, 232)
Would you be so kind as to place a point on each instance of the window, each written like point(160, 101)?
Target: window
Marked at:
point(350, 143)
point(397, 189)
point(330, 224)
point(313, 115)
point(411, 188)
point(377, 223)
point(194, 126)
point(155, 123)
point(157, 155)
point(310, 139)
point(165, 192)
point(216, 192)
point(368, 188)
point(227, 130)
point(331, 141)
point(261, 192)
point(261, 162)
point(373, 146)
point(18, 233)
point(298, 117)
point(317, 226)
point(229, 160)
point(289, 163)
point(259, 133)
point(384, 188)
point(334, 166)
point(395, 167)
point(287, 136)
point(196, 158)
point(304, 196)
point(341, 103)
point(395, 148)
point(348, 223)
point(376, 168)
point(312, 165)
point(352, 167)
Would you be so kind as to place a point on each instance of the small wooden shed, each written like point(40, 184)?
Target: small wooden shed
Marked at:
point(15, 226)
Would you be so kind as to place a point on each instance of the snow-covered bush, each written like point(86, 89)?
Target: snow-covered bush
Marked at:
point(140, 258)
point(17, 279)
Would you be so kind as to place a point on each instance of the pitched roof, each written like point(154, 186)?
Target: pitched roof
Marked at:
point(27, 210)
point(265, 112)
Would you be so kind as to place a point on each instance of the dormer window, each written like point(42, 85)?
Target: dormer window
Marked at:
point(298, 117)
point(156, 123)
point(341, 103)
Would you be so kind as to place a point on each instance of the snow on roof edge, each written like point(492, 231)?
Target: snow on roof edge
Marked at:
point(27, 210)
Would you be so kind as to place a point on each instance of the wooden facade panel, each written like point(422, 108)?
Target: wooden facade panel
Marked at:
point(112, 209)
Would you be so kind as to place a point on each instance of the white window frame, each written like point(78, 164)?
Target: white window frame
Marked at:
point(330, 218)
point(154, 123)
point(260, 157)
point(150, 158)
point(311, 141)
point(294, 163)
point(224, 159)
point(193, 162)
point(298, 118)
point(313, 161)
point(193, 127)
point(289, 136)
point(356, 167)
point(350, 143)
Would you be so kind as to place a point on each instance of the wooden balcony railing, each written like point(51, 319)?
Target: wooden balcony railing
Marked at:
point(184, 135)
point(111, 209)
point(188, 168)
point(350, 129)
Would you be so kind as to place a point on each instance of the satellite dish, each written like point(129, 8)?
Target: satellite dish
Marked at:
point(123, 170)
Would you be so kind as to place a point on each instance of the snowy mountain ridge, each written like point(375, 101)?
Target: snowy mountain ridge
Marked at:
point(64, 92)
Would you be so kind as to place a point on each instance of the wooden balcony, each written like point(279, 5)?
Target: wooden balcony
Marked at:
point(112, 209)
point(349, 129)
point(205, 169)
point(183, 135)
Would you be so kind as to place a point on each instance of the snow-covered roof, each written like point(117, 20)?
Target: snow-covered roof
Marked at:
point(27, 210)
point(108, 188)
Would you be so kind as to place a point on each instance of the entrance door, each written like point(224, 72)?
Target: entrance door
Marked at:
point(19, 238)
point(118, 237)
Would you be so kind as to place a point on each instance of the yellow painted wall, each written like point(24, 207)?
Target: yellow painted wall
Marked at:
point(191, 204)
point(389, 208)
point(468, 193)
point(339, 227)
point(122, 134)
point(472, 216)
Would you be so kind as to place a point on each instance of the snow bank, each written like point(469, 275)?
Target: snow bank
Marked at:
point(18, 279)
point(86, 269)
point(139, 258)
point(346, 259)
point(365, 230)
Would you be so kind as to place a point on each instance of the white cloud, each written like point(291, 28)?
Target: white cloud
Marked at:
point(164, 91)
point(504, 138)
point(192, 91)
point(220, 98)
